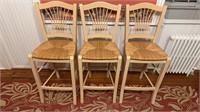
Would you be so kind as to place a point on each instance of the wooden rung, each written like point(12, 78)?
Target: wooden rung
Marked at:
point(94, 66)
point(138, 61)
point(49, 78)
point(111, 78)
point(83, 68)
point(57, 88)
point(156, 69)
point(42, 67)
point(86, 77)
point(57, 74)
point(148, 79)
point(139, 88)
point(99, 61)
point(153, 65)
point(51, 61)
point(98, 87)
point(115, 69)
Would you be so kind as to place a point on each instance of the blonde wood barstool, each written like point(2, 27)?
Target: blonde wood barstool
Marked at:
point(143, 23)
point(58, 25)
point(99, 47)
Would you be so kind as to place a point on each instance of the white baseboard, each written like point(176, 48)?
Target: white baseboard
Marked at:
point(195, 68)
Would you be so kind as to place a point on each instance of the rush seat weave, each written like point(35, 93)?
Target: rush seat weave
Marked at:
point(145, 51)
point(100, 50)
point(55, 50)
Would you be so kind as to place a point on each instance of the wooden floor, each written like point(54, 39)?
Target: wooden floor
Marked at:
point(99, 76)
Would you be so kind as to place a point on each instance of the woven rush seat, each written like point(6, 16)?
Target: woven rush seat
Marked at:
point(55, 50)
point(100, 50)
point(145, 51)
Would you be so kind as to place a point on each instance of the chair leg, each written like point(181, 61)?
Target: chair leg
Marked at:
point(89, 70)
point(37, 78)
point(143, 70)
point(124, 78)
point(56, 68)
point(81, 78)
point(154, 70)
point(108, 70)
point(57, 74)
point(73, 79)
point(159, 80)
point(117, 78)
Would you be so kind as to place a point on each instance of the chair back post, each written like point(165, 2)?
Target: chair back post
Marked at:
point(57, 19)
point(74, 27)
point(116, 22)
point(41, 22)
point(164, 9)
point(127, 24)
point(85, 33)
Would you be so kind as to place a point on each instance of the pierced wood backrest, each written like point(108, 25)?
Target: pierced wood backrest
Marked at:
point(57, 19)
point(96, 18)
point(144, 20)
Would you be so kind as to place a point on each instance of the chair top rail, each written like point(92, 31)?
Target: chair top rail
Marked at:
point(147, 6)
point(56, 4)
point(99, 4)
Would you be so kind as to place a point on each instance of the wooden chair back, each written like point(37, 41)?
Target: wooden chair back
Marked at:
point(97, 19)
point(144, 21)
point(57, 19)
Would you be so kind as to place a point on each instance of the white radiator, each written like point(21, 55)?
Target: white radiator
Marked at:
point(184, 51)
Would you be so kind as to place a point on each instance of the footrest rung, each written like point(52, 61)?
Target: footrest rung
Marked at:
point(88, 73)
point(139, 88)
point(98, 87)
point(57, 88)
point(49, 77)
point(148, 79)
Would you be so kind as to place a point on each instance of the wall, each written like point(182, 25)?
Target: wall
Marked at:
point(3, 59)
point(178, 27)
point(198, 65)
point(19, 31)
